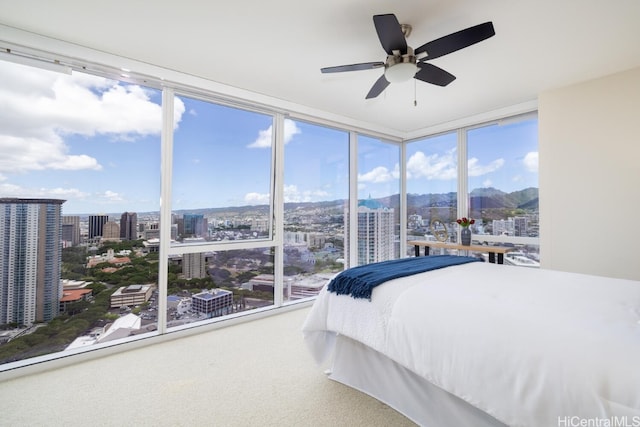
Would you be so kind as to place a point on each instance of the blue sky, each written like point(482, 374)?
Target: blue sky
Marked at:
point(96, 143)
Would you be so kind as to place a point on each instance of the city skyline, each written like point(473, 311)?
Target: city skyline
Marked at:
point(95, 142)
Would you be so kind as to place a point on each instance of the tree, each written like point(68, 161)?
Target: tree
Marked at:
point(96, 287)
point(77, 307)
point(245, 276)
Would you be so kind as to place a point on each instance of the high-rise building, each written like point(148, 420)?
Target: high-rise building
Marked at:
point(194, 266)
point(71, 229)
point(503, 227)
point(111, 231)
point(96, 225)
point(129, 226)
point(520, 225)
point(149, 229)
point(195, 225)
point(375, 232)
point(67, 235)
point(30, 259)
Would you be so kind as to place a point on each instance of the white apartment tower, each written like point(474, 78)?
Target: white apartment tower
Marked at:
point(30, 258)
point(376, 238)
point(503, 227)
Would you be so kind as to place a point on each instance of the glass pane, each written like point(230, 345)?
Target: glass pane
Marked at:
point(378, 200)
point(503, 188)
point(79, 182)
point(315, 194)
point(221, 174)
point(432, 188)
point(207, 285)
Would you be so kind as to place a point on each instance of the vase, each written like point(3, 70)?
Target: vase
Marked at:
point(465, 236)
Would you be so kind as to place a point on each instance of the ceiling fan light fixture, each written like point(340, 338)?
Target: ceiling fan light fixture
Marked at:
point(400, 72)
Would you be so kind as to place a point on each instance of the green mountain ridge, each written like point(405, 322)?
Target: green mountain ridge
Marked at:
point(480, 198)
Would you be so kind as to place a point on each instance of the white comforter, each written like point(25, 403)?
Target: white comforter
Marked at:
point(531, 347)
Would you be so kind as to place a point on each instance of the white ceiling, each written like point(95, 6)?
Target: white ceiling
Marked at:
point(277, 47)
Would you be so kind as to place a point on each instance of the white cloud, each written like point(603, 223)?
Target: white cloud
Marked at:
point(380, 174)
point(434, 166)
point(265, 136)
point(12, 190)
point(256, 198)
point(106, 197)
point(476, 169)
point(531, 161)
point(294, 195)
point(41, 108)
point(290, 129)
point(263, 140)
point(110, 197)
point(30, 153)
point(92, 105)
point(444, 167)
point(65, 193)
point(78, 162)
point(178, 111)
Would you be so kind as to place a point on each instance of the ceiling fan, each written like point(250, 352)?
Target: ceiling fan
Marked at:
point(403, 62)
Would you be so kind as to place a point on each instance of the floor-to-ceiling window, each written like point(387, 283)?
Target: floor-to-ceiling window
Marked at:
point(221, 257)
point(378, 200)
point(81, 152)
point(432, 185)
point(316, 191)
point(502, 169)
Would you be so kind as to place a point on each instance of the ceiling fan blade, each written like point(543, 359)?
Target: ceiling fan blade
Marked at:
point(390, 33)
point(377, 88)
point(435, 75)
point(353, 67)
point(456, 41)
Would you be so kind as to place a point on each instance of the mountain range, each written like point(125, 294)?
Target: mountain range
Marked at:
point(481, 198)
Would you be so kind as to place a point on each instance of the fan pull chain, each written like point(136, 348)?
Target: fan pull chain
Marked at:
point(415, 101)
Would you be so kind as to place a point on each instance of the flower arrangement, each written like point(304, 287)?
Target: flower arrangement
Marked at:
point(465, 222)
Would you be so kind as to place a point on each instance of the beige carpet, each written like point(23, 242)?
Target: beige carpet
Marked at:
point(257, 373)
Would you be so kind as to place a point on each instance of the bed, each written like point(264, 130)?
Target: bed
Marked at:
point(482, 344)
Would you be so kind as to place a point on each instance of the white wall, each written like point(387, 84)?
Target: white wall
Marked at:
point(589, 142)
